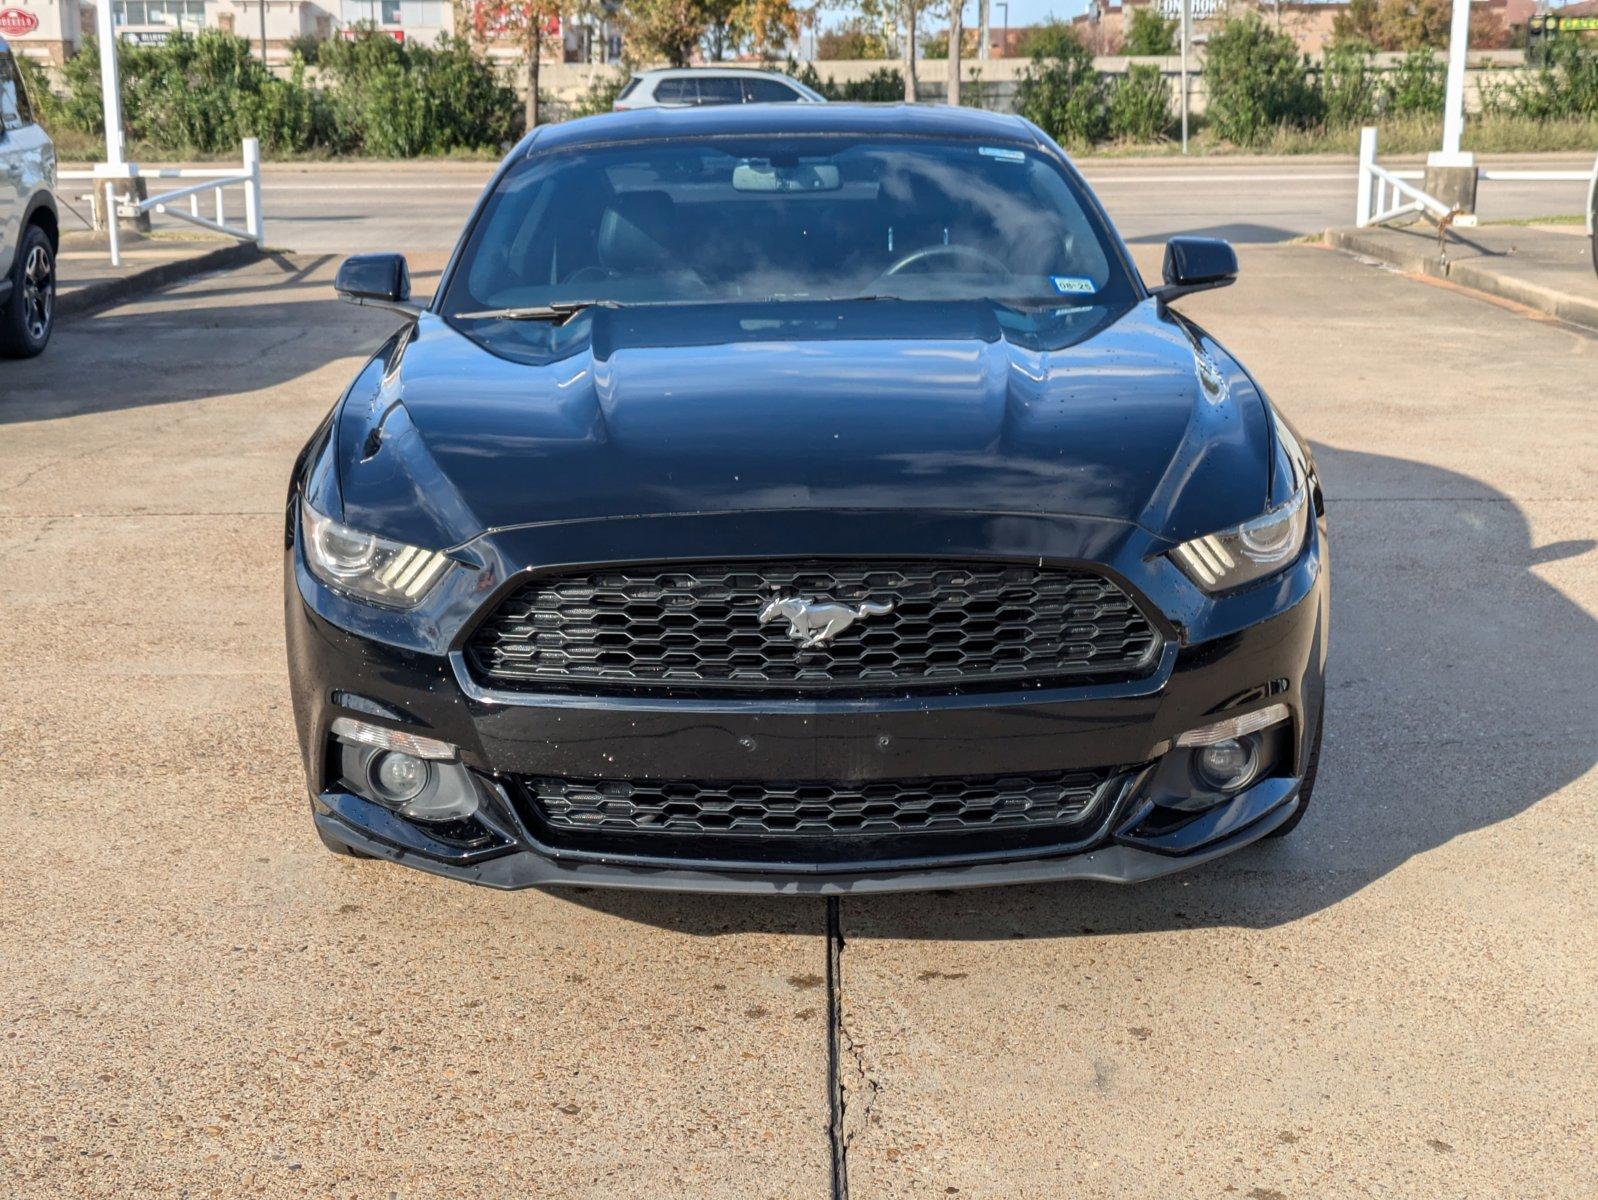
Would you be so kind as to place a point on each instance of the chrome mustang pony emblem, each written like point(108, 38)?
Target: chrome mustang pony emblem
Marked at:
point(816, 622)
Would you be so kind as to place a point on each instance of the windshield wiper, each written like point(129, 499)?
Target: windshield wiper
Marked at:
point(556, 314)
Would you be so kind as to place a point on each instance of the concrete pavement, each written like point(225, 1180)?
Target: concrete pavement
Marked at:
point(87, 280)
point(1547, 268)
point(1395, 1001)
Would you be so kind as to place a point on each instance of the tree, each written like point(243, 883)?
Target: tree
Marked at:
point(668, 29)
point(955, 34)
point(853, 39)
point(525, 24)
point(1257, 82)
point(1061, 92)
point(1148, 33)
point(1411, 25)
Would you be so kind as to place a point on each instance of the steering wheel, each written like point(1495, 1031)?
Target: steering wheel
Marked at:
point(932, 253)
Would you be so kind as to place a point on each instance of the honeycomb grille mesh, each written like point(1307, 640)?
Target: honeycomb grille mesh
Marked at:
point(900, 806)
point(698, 625)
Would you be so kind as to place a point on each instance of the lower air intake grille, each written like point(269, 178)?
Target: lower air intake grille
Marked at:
point(881, 807)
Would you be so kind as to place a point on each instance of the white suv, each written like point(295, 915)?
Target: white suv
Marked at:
point(29, 232)
point(674, 86)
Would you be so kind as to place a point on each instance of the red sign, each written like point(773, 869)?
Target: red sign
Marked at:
point(349, 34)
point(14, 22)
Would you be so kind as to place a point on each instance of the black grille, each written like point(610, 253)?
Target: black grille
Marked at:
point(822, 810)
point(697, 626)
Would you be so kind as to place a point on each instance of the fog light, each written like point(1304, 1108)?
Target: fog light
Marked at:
point(1228, 766)
point(398, 777)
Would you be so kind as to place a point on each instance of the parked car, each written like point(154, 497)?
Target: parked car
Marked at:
point(895, 536)
point(29, 232)
point(681, 86)
point(1592, 215)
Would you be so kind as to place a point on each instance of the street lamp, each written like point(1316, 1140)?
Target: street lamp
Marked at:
point(1006, 35)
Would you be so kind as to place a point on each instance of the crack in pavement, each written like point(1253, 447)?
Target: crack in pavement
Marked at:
point(848, 1118)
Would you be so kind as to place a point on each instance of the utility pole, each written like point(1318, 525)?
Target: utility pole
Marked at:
point(263, 29)
point(1451, 172)
point(984, 35)
point(110, 85)
point(1187, 38)
point(956, 32)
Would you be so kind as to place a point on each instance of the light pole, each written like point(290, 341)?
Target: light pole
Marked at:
point(1187, 37)
point(1005, 42)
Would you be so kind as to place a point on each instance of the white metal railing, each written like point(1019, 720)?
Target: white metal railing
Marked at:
point(112, 200)
point(1385, 195)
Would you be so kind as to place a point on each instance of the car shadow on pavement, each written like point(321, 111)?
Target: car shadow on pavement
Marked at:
point(1460, 695)
point(266, 324)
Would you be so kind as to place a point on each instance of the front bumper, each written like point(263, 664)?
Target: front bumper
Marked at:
point(1221, 658)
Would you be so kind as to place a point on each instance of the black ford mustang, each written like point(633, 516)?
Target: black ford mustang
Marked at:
point(808, 499)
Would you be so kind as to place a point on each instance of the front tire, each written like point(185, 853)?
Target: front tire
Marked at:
point(28, 318)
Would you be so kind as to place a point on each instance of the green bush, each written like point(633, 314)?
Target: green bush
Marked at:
point(1349, 89)
point(1257, 83)
point(1565, 86)
point(1148, 33)
point(46, 104)
point(1060, 92)
point(194, 95)
point(400, 100)
point(884, 85)
point(1140, 104)
point(1418, 85)
point(202, 94)
point(600, 97)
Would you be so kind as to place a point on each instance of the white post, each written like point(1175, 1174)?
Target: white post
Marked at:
point(252, 192)
point(112, 233)
point(1367, 160)
point(110, 88)
point(1454, 107)
point(221, 208)
point(1187, 31)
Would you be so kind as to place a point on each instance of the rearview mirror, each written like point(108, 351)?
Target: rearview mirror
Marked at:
point(1196, 264)
point(377, 281)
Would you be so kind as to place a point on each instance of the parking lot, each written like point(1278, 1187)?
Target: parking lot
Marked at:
point(195, 998)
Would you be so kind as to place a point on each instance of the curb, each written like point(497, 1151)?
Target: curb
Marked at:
point(90, 296)
point(1577, 310)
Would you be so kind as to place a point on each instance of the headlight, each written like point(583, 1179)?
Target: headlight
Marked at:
point(365, 565)
point(1221, 561)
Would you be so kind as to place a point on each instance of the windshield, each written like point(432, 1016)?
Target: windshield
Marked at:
point(787, 218)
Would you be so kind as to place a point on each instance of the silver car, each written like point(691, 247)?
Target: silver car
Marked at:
point(672, 87)
point(29, 232)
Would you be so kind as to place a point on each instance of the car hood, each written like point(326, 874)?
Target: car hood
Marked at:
point(1130, 415)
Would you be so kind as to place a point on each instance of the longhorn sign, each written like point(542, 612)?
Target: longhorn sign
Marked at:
point(814, 623)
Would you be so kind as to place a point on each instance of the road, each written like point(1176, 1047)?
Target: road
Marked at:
point(342, 209)
point(1397, 1000)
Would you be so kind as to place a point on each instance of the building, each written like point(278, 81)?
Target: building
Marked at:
point(47, 30)
point(54, 29)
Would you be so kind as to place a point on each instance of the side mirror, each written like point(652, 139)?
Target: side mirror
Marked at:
point(1196, 264)
point(376, 281)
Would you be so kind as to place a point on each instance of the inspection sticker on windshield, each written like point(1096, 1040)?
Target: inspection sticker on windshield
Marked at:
point(1072, 285)
point(1004, 155)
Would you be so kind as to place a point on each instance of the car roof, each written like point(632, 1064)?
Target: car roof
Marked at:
point(665, 124)
point(718, 69)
